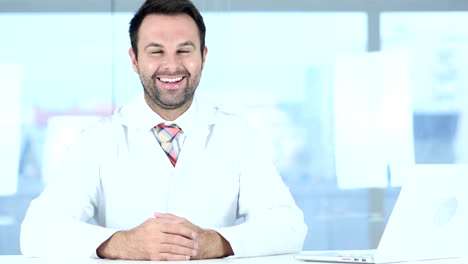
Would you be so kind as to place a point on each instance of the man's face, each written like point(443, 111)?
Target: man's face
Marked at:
point(169, 60)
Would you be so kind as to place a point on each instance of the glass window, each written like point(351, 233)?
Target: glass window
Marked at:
point(435, 44)
point(55, 76)
point(276, 69)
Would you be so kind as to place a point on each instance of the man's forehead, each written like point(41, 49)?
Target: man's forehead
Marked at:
point(180, 28)
point(156, 21)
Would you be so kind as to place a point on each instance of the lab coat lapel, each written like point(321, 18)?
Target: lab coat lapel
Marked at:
point(198, 139)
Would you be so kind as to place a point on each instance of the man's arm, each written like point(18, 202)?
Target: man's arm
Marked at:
point(56, 223)
point(273, 224)
point(47, 232)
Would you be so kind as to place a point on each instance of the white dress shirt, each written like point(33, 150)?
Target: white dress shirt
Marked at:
point(118, 174)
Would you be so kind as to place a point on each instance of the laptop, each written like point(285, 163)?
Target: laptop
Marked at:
point(429, 220)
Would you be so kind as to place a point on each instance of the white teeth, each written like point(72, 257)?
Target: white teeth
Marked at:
point(170, 80)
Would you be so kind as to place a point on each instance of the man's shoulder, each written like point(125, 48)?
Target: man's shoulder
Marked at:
point(223, 115)
point(102, 129)
point(229, 119)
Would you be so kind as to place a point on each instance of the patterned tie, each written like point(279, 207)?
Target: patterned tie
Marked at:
point(166, 134)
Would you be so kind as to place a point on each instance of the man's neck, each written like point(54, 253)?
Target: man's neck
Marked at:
point(168, 114)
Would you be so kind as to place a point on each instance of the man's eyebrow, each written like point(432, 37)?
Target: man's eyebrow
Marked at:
point(183, 44)
point(153, 44)
point(187, 43)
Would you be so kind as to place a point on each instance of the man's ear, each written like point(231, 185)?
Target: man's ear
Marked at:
point(134, 59)
point(205, 52)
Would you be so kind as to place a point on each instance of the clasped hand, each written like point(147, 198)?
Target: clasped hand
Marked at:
point(164, 237)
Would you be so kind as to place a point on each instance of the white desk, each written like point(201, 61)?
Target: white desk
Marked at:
point(280, 259)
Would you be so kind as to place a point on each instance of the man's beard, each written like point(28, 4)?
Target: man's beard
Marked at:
point(167, 100)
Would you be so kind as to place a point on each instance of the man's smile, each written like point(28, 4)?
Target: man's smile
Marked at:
point(170, 80)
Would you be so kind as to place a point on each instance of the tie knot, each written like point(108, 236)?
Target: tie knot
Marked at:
point(167, 133)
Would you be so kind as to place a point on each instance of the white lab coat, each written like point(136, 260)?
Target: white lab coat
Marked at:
point(118, 174)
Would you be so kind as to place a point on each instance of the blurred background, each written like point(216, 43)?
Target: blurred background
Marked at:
point(367, 87)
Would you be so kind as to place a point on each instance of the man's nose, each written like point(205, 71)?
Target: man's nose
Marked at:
point(171, 62)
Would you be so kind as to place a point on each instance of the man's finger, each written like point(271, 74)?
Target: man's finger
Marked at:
point(178, 250)
point(166, 220)
point(179, 240)
point(168, 216)
point(172, 257)
point(178, 229)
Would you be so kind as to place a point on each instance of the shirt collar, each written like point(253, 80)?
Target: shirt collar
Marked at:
point(138, 114)
point(185, 121)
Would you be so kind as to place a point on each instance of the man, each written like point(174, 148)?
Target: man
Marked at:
point(200, 189)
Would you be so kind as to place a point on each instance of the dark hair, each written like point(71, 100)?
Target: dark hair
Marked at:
point(166, 7)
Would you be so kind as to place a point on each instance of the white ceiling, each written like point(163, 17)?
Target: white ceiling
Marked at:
point(238, 5)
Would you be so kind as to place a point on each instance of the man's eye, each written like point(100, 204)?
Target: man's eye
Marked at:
point(184, 51)
point(156, 51)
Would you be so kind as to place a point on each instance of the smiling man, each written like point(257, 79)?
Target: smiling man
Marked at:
point(168, 177)
point(169, 58)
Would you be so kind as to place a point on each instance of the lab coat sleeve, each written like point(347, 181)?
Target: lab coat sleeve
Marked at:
point(273, 222)
point(56, 222)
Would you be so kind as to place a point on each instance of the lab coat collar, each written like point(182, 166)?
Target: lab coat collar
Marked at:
point(137, 114)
